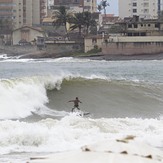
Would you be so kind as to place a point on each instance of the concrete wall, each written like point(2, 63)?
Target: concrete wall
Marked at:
point(17, 50)
point(130, 48)
point(136, 39)
point(51, 49)
point(63, 48)
point(133, 45)
point(89, 43)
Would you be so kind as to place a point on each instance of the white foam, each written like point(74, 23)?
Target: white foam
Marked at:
point(3, 56)
point(21, 97)
point(72, 132)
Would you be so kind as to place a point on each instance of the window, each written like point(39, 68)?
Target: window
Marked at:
point(94, 40)
point(129, 25)
point(135, 26)
point(157, 25)
point(146, 11)
point(134, 4)
point(134, 10)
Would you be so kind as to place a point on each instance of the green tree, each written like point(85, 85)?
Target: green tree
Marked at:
point(88, 21)
point(62, 16)
point(83, 20)
point(77, 22)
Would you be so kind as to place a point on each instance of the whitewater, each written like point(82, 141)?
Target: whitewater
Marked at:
point(123, 97)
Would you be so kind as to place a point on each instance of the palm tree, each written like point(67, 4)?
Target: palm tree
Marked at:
point(82, 20)
point(99, 7)
point(77, 22)
point(62, 17)
point(104, 4)
point(88, 21)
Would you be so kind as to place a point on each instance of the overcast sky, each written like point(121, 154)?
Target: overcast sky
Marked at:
point(113, 8)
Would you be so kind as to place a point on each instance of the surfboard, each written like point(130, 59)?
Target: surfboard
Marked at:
point(80, 113)
point(86, 113)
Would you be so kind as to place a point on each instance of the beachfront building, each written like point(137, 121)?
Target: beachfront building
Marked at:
point(23, 12)
point(26, 35)
point(147, 9)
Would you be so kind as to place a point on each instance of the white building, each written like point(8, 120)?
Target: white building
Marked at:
point(26, 34)
point(147, 9)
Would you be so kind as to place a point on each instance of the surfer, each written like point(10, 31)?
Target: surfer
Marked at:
point(76, 103)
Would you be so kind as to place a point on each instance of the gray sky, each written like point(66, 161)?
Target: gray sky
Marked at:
point(113, 8)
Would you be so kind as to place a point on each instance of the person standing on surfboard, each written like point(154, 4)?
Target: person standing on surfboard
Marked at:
point(76, 103)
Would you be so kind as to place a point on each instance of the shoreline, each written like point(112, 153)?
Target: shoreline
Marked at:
point(98, 56)
point(95, 56)
point(124, 57)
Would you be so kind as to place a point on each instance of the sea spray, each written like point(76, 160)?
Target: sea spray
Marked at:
point(21, 97)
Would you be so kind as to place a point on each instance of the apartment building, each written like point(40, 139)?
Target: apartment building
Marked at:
point(23, 12)
point(78, 5)
point(147, 9)
point(7, 9)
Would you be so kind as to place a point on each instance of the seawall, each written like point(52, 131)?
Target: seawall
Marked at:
point(50, 49)
point(132, 48)
point(133, 45)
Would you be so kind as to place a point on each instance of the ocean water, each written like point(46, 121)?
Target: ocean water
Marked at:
point(123, 97)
